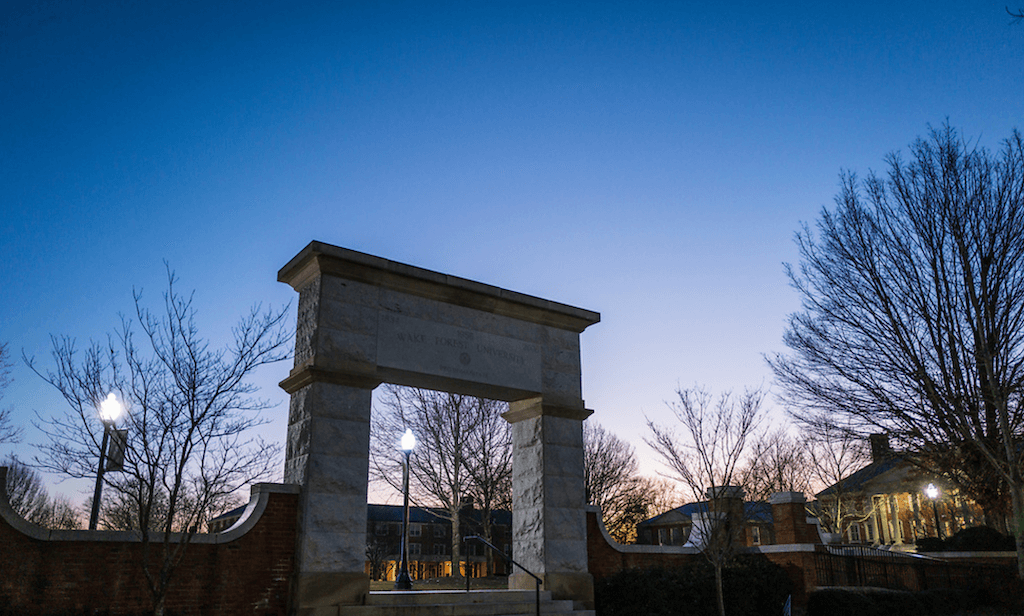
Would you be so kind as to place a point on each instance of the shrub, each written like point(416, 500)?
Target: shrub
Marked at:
point(931, 544)
point(880, 602)
point(838, 602)
point(752, 586)
point(980, 539)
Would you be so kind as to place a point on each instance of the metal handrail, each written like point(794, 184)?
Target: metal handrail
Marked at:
point(536, 579)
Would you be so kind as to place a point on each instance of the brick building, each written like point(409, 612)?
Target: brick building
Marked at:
point(430, 541)
point(673, 527)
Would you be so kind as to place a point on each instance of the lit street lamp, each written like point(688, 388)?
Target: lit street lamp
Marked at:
point(933, 493)
point(403, 581)
point(110, 410)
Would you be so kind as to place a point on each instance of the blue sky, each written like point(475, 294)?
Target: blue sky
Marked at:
point(650, 161)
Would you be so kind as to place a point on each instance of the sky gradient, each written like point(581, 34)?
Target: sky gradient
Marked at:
point(650, 162)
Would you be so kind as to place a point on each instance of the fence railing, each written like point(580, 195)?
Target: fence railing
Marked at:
point(508, 559)
point(862, 566)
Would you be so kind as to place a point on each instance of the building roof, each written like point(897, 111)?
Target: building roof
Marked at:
point(754, 512)
point(859, 479)
point(234, 513)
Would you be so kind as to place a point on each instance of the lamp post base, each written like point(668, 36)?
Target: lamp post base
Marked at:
point(403, 582)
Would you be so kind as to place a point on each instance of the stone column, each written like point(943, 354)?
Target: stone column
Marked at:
point(548, 499)
point(328, 445)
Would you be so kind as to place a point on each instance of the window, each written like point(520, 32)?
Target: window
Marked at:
point(439, 530)
point(415, 549)
point(381, 528)
point(855, 533)
point(415, 530)
point(869, 532)
point(439, 549)
point(755, 535)
point(662, 536)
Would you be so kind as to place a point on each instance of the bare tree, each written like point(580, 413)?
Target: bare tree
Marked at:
point(835, 453)
point(8, 433)
point(717, 434)
point(189, 414)
point(29, 499)
point(378, 549)
point(488, 461)
point(778, 462)
point(442, 423)
point(913, 306)
point(613, 483)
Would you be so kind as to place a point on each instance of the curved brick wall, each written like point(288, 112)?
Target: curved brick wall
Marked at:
point(245, 570)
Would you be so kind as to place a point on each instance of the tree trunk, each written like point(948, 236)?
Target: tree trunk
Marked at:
point(719, 595)
point(456, 544)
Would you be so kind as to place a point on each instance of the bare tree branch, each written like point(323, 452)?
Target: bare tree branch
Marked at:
point(463, 450)
point(8, 432)
point(913, 308)
point(189, 415)
point(613, 483)
point(708, 458)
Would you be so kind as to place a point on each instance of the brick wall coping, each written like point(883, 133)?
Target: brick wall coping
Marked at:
point(638, 549)
point(785, 547)
point(259, 496)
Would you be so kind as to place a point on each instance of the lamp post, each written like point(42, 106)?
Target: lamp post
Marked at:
point(933, 493)
point(403, 581)
point(110, 410)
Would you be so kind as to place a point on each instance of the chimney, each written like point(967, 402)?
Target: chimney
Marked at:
point(880, 449)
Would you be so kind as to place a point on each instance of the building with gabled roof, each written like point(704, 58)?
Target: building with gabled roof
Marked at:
point(674, 526)
point(888, 504)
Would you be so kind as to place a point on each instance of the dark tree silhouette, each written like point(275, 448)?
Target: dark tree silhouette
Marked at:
point(913, 307)
point(613, 483)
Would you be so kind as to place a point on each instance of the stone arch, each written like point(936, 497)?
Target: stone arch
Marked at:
point(363, 321)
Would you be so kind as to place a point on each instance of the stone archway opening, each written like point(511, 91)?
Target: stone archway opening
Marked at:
point(363, 321)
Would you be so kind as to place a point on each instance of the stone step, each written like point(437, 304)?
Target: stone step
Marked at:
point(455, 603)
point(406, 597)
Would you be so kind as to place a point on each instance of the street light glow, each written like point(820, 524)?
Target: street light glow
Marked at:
point(931, 491)
point(110, 409)
point(408, 440)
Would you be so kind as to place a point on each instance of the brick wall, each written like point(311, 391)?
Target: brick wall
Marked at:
point(245, 570)
point(605, 557)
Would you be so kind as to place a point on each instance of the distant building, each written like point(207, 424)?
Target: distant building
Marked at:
point(673, 527)
point(225, 520)
point(888, 504)
point(430, 541)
